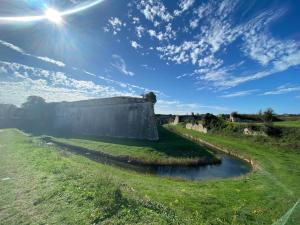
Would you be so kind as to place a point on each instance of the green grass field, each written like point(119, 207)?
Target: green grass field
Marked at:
point(285, 123)
point(40, 184)
point(291, 123)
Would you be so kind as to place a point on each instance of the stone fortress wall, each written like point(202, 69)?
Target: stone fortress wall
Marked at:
point(196, 127)
point(124, 117)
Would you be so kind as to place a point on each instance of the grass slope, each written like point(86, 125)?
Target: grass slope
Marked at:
point(55, 187)
point(170, 149)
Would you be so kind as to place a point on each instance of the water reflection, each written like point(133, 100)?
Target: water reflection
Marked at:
point(230, 167)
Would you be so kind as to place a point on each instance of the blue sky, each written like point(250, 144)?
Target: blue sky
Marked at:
point(198, 56)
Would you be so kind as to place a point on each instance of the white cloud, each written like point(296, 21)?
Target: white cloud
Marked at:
point(291, 58)
point(115, 21)
point(58, 79)
point(185, 75)
point(17, 92)
point(177, 107)
point(23, 52)
point(260, 46)
point(135, 20)
point(154, 9)
point(217, 30)
point(168, 34)
point(284, 89)
point(3, 70)
point(10, 70)
point(12, 47)
point(201, 50)
point(106, 29)
point(13, 68)
point(238, 94)
point(136, 88)
point(148, 67)
point(115, 25)
point(184, 5)
point(140, 30)
point(194, 23)
point(227, 80)
point(52, 61)
point(273, 54)
point(135, 45)
point(120, 65)
point(18, 81)
point(74, 1)
point(204, 9)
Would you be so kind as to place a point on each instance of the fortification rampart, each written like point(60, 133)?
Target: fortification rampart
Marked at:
point(124, 117)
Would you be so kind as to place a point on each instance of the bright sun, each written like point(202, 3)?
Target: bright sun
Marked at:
point(53, 16)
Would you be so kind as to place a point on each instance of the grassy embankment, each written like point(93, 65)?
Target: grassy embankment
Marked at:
point(56, 187)
point(171, 149)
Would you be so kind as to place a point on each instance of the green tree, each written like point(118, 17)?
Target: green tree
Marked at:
point(151, 97)
point(35, 110)
point(268, 115)
point(33, 102)
point(234, 114)
point(211, 121)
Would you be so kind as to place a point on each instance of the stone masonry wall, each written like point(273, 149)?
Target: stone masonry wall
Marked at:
point(124, 117)
point(196, 127)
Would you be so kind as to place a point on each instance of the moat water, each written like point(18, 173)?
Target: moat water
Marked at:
point(229, 167)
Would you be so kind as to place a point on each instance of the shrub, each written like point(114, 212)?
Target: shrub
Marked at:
point(233, 128)
point(212, 122)
point(272, 131)
point(190, 120)
point(151, 97)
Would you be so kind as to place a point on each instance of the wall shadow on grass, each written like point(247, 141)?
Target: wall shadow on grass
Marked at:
point(169, 143)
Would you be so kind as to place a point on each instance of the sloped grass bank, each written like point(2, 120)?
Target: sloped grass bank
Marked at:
point(171, 149)
point(281, 162)
point(40, 186)
point(56, 187)
point(125, 160)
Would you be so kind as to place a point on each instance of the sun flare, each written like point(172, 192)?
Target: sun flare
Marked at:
point(53, 16)
point(50, 14)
